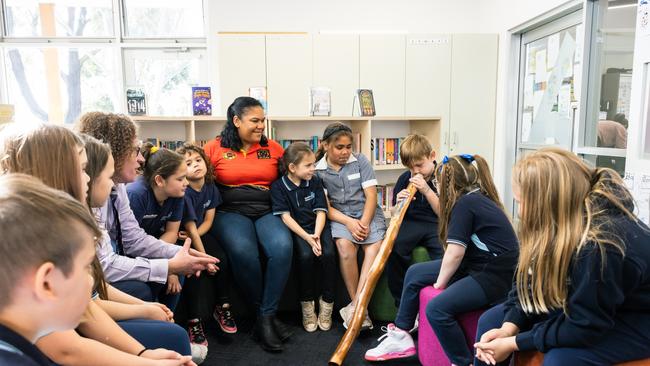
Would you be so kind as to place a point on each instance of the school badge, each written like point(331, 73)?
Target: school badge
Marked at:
point(263, 154)
point(229, 155)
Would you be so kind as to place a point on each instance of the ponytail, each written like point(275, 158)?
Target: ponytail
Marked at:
point(159, 161)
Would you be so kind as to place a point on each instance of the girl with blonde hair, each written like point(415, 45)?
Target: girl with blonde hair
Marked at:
point(582, 289)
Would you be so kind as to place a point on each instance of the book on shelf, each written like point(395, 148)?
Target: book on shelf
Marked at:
point(385, 151)
point(259, 93)
point(364, 103)
point(385, 196)
point(320, 101)
point(201, 101)
point(312, 142)
point(167, 144)
point(136, 103)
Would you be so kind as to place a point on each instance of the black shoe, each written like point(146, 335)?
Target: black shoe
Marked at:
point(282, 330)
point(265, 334)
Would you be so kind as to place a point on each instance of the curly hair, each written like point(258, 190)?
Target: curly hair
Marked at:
point(189, 148)
point(117, 130)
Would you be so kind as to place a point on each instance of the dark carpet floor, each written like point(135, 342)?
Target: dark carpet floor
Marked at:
point(301, 349)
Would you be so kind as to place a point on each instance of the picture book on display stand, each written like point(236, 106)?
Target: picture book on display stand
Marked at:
point(201, 101)
point(136, 104)
point(364, 103)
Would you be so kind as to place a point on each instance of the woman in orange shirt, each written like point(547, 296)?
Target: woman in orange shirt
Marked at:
point(245, 164)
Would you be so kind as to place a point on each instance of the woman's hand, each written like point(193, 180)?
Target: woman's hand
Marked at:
point(158, 311)
point(173, 285)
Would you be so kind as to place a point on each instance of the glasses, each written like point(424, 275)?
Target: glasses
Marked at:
point(137, 149)
point(445, 160)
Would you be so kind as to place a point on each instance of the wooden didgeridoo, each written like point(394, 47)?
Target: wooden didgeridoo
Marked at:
point(373, 276)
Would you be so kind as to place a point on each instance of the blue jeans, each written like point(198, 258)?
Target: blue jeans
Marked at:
point(158, 334)
point(460, 297)
point(150, 291)
point(624, 342)
point(242, 238)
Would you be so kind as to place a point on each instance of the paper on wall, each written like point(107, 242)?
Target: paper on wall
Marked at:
point(540, 66)
point(564, 101)
point(553, 47)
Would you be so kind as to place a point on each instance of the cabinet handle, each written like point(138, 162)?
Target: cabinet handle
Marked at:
point(446, 139)
point(455, 139)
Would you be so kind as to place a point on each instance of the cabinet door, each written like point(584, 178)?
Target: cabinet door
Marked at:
point(382, 63)
point(242, 64)
point(473, 94)
point(289, 73)
point(428, 74)
point(336, 66)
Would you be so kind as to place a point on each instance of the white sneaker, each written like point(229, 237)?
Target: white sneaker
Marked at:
point(367, 323)
point(346, 313)
point(199, 353)
point(397, 344)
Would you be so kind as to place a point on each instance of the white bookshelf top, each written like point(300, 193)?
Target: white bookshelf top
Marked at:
point(388, 167)
point(177, 118)
point(287, 119)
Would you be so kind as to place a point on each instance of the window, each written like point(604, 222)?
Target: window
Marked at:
point(58, 84)
point(52, 18)
point(163, 18)
point(166, 77)
point(550, 70)
point(610, 75)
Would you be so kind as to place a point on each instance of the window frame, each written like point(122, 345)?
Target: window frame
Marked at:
point(118, 45)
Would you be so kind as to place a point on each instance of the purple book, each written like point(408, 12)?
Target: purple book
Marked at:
point(201, 101)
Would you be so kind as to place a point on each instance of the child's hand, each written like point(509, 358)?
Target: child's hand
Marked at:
point(357, 229)
point(182, 235)
point(315, 245)
point(169, 315)
point(419, 183)
point(403, 194)
point(173, 285)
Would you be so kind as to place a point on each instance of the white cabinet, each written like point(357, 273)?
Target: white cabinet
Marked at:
point(473, 95)
point(336, 66)
point(288, 74)
point(242, 64)
point(382, 63)
point(428, 75)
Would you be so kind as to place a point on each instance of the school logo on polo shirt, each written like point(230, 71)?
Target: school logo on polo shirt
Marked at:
point(229, 155)
point(263, 154)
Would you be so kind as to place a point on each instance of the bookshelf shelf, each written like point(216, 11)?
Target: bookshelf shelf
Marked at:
point(366, 129)
point(380, 167)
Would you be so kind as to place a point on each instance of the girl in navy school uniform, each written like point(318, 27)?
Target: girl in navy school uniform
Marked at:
point(582, 286)
point(476, 270)
point(201, 199)
point(156, 199)
point(299, 199)
point(355, 215)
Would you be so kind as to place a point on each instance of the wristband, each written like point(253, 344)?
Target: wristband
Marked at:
point(143, 351)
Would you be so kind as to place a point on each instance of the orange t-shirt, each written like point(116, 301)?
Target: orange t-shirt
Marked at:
point(258, 166)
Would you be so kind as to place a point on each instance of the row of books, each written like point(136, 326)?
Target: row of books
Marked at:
point(320, 101)
point(385, 196)
point(167, 144)
point(386, 150)
point(313, 142)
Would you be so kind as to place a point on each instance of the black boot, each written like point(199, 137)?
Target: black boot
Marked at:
point(282, 330)
point(265, 334)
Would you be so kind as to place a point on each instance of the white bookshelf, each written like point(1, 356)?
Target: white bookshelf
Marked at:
point(205, 128)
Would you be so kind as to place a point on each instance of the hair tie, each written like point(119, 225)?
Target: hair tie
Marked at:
point(154, 149)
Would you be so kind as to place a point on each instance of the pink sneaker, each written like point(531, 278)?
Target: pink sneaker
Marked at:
point(397, 344)
point(224, 317)
point(195, 331)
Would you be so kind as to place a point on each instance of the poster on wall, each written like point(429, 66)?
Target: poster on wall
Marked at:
point(643, 16)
